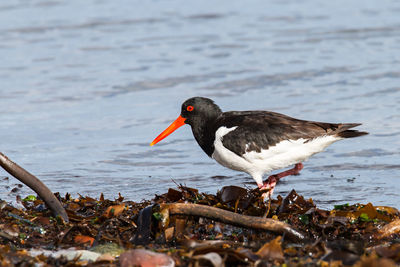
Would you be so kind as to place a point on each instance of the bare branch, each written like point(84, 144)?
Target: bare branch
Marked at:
point(35, 184)
point(234, 218)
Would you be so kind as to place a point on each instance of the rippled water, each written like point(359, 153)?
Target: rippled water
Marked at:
point(87, 85)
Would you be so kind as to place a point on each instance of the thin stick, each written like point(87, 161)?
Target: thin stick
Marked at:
point(35, 184)
point(233, 218)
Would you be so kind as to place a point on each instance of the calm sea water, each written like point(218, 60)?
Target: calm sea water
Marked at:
point(87, 85)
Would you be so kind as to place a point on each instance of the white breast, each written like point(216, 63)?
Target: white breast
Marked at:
point(224, 156)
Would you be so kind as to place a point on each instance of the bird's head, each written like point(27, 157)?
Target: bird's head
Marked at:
point(194, 111)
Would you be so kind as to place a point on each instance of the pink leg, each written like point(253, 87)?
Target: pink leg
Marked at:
point(273, 179)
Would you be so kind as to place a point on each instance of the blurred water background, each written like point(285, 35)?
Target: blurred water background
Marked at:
point(87, 85)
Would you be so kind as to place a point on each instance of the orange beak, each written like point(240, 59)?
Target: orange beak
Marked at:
point(175, 125)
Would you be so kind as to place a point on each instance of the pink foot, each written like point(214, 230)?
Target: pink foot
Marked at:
point(273, 179)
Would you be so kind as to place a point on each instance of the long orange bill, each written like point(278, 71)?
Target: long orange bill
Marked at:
point(175, 125)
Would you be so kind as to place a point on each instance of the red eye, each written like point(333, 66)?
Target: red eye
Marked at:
point(189, 108)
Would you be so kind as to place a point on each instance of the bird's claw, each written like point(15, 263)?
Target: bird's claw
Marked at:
point(268, 186)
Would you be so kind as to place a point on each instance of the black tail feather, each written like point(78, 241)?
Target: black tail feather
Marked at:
point(351, 133)
point(344, 132)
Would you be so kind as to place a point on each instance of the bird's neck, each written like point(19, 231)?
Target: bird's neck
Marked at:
point(204, 134)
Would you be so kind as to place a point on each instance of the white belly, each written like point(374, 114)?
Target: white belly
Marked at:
point(281, 155)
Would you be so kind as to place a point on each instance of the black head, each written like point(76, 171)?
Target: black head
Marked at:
point(199, 113)
point(198, 109)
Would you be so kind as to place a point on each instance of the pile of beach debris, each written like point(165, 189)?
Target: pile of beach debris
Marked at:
point(184, 227)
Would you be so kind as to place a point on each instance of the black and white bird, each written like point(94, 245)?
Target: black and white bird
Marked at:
point(257, 142)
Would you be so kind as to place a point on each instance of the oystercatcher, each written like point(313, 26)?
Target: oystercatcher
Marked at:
point(257, 142)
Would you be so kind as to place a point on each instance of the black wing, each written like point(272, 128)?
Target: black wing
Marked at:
point(258, 130)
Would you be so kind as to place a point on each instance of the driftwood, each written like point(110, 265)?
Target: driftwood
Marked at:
point(389, 229)
point(35, 184)
point(233, 218)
